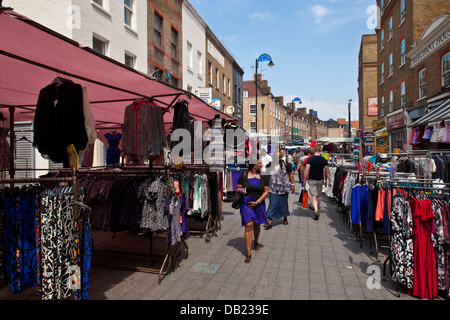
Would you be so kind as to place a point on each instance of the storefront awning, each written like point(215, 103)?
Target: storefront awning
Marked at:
point(31, 56)
point(439, 113)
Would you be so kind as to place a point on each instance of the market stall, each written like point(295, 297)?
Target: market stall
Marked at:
point(38, 63)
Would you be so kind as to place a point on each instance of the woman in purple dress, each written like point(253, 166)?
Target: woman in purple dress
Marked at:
point(255, 188)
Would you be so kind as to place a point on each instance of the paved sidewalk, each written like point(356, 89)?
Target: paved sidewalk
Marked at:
point(304, 260)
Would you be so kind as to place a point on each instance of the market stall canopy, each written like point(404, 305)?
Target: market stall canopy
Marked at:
point(32, 56)
point(439, 113)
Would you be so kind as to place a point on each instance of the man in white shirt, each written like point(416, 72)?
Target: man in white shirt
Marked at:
point(265, 160)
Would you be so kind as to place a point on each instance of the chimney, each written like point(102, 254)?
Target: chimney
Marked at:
point(264, 84)
point(258, 79)
point(280, 100)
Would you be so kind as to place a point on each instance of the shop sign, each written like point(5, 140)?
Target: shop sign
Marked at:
point(373, 106)
point(435, 43)
point(215, 103)
point(377, 125)
point(395, 121)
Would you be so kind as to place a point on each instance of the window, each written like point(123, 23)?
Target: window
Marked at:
point(382, 6)
point(403, 52)
point(128, 12)
point(382, 72)
point(200, 64)
point(422, 84)
point(190, 65)
point(245, 94)
point(446, 70)
point(130, 59)
point(391, 28)
point(382, 106)
point(158, 29)
point(382, 39)
point(99, 45)
point(224, 85)
point(252, 110)
point(210, 70)
point(253, 127)
point(402, 11)
point(174, 44)
point(217, 79)
point(403, 93)
point(99, 2)
point(229, 88)
point(391, 64)
point(391, 101)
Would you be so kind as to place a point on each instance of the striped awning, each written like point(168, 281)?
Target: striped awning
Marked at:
point(439, 113)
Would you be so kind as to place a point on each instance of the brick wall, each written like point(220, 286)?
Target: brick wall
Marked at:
point(419, 14)
point(161, 57)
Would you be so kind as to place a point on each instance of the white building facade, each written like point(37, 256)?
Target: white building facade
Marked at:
point(117, 29)
point(194, 45)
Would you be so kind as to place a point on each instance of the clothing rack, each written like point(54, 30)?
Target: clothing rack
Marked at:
point(173, 252)
point(407, 188)
point(72, 179)
point(57, 180)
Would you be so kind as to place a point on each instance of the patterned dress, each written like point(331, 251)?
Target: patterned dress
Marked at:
point(402, 249)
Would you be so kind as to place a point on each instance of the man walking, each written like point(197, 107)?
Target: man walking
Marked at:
point(315, 166)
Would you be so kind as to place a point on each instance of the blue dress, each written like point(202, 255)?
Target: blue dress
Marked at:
point(258, 214)
point(113, 151)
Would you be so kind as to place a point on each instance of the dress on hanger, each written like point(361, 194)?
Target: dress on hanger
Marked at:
point(113, 151)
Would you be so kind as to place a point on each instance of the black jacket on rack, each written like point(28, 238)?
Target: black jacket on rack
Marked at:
point(59, 121)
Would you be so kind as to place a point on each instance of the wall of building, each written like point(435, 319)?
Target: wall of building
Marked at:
point(79, 20)
point(219, 70)
point(367, 80)
point(194, 74)
point(160, 57)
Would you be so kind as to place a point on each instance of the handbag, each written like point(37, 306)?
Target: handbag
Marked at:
point(237, 201)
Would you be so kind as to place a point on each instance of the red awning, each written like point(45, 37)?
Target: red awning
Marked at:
point(31, 56)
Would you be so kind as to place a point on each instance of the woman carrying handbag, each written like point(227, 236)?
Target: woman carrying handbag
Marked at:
point(254, 188)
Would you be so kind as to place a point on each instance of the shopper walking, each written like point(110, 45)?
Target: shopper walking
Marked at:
point(255, 188)
point(309, 152)
point(281, 183)
point(315, 167)
point(297, 163)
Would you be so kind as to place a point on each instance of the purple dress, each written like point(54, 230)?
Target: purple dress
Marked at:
point(113, 151)
point(255, 188)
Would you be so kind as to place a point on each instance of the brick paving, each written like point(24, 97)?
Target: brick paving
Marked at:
point(304, 260)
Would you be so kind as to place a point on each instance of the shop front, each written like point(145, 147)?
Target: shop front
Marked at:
point(381, 135)
point(395, 127)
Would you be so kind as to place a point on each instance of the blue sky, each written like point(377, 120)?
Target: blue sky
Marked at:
point(314, 45)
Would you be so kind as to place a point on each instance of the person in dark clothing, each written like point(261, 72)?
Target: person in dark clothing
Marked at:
point(315, 172)
point(255, 188)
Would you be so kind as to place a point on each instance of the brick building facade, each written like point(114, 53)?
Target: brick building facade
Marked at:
point(401, 26)
point(368, 85)
point(165, 41)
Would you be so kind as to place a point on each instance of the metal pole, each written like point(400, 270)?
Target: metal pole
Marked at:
point(12, 141)
point(292, 123)
point(349, 119)
point(256, 94)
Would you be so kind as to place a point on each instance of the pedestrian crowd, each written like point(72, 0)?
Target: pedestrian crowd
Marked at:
point(257, 184)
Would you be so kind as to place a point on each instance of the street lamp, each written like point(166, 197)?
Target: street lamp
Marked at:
point(293, 111)
point(261, 58)
point(349, 119)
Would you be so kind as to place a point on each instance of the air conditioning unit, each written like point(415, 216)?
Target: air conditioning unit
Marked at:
point(229, 110)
